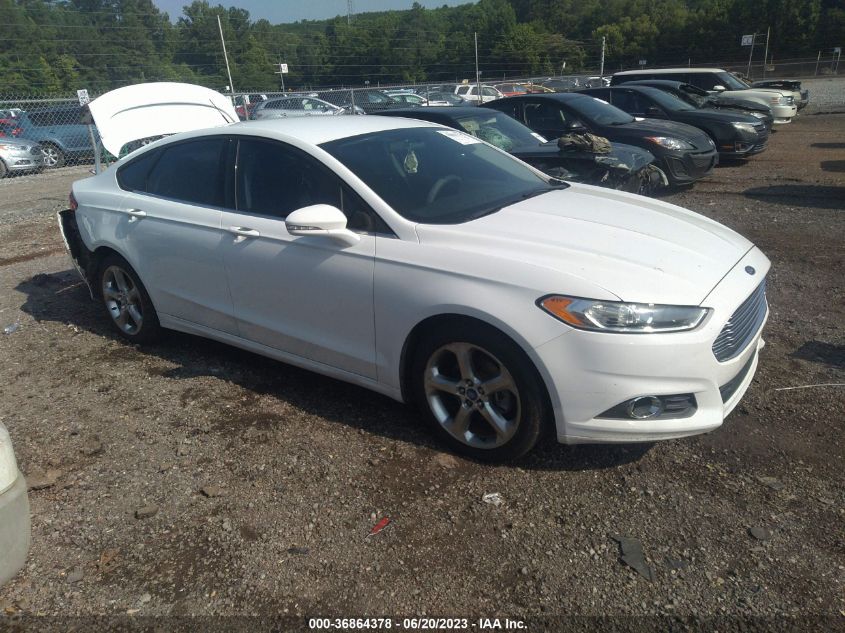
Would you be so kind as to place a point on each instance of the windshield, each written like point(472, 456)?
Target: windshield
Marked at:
point(599, 112)
point(438, 176)
point(668, 101)
point(731, 82)
point(498, 129)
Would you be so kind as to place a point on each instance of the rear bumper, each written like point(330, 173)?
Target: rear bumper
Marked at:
point(14, 529)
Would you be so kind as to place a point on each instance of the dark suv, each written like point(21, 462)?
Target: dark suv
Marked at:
point(59, 131)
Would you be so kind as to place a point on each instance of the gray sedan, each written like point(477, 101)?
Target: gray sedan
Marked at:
point(294, 107)
point(19, 154)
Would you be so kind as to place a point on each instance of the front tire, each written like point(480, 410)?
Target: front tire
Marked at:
point(126, 301)
point(53, 156)
point(479, 391)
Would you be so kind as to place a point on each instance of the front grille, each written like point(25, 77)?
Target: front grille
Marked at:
point(729, 388)
point(742, 326)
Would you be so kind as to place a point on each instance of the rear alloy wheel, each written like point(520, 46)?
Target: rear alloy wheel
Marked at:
point(480, 393)
point(126, 301)
point(53, 156)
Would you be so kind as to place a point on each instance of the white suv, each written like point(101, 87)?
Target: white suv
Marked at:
point(470, 93)
point(14, 511)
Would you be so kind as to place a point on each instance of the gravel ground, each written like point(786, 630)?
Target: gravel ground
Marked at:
point(192, 479)
point(827, 94)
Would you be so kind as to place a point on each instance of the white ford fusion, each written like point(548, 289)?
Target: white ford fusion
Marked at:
point(426, 265)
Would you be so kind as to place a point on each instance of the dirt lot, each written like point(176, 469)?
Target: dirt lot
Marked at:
point(262, 481)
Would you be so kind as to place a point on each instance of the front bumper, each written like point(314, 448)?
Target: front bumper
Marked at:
point(589, 373)
point(14, 529)
point(745, 145)
point(683, 168)
point(23, 161)
point(784, 113)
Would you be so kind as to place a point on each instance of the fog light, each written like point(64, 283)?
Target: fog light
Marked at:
point(644, 407)
point(675, 406)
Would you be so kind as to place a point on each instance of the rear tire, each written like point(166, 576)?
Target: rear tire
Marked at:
point(479, 391)
point(126, 301)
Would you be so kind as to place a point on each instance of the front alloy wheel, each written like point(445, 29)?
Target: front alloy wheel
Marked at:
point(478, 390)
point(472, 395)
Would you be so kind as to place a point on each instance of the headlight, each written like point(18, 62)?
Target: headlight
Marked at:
point(619, 316)
point(669, 143)
point(744, 127)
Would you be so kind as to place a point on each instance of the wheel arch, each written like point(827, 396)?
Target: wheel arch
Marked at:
point(445, 319)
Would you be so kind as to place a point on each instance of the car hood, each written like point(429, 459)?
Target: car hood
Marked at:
point(675, 129)
point(16, 141)
point(718, 116)
point(633, 247)
point(157, 109)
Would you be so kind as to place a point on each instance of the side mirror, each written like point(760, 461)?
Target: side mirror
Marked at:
point(654, 112)
point(719, 88)
point(320, 220)
point(575, 126)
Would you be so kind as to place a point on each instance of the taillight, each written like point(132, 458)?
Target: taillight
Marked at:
point(17, 131)
point(74, 205)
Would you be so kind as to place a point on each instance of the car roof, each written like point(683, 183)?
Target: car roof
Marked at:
point(666, 71)
point(557, 96)
point(318, 130)
point(669, 83)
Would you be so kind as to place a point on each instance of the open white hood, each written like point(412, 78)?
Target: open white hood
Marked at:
point(156, 109)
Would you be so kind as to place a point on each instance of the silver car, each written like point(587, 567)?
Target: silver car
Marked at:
point(19, 154)
point(294, 107)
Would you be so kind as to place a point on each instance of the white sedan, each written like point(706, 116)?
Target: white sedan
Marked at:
point(14, 511)
point(424, 264)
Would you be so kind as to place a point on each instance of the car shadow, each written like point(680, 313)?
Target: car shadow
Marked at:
point(821, 352)
point(812, 196)
point(828, 145)
point(833, 165)
point(63, 298)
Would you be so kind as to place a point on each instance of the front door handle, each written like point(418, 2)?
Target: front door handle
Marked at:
point(136, 214)
point(243, 232)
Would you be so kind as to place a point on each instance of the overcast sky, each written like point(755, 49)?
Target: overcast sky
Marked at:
point(292, 10)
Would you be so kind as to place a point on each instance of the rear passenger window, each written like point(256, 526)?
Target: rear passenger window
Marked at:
point(705, 81)
point(133, 175)
point(191, 172)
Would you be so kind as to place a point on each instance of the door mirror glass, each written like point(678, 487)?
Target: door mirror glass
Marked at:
point(320, 220)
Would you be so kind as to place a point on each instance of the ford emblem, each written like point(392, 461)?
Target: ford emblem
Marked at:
point(750, 270)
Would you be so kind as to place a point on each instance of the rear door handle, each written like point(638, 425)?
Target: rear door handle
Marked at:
point(136, 214)
point(243, 232)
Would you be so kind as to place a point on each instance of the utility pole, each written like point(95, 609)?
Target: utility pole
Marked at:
point(226, 57)
point(601, 68)
point(283, 68)
point(817, 64)
point(750, 55)
point(766, 54)
point(477, 72)
point(350, 9)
